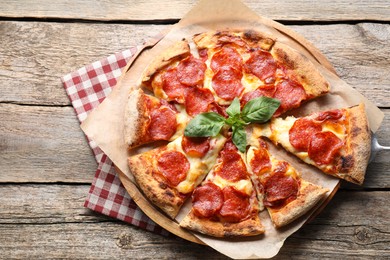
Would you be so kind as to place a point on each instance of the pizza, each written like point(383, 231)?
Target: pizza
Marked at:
point(228, 64)
point(168, 174)
point(225, 204)
point(337, 141)
point(149, 119)
point(202, 112)
point(280, 187)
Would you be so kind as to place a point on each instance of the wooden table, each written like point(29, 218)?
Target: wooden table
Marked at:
point(46, 166)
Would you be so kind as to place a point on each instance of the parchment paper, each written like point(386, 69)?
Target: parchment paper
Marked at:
point(105, 124)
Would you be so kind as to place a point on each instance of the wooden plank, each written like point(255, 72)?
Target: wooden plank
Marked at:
point(45, 204)
point(34, 55)
point(300, 10)
point(48, 221)
point(43, 144)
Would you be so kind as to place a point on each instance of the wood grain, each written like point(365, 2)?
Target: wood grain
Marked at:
point(48, 221)
point(47, 51)
point(299, 10)
point(43, 144)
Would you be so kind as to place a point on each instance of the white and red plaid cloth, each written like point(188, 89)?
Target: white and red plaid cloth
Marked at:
point(87, 88)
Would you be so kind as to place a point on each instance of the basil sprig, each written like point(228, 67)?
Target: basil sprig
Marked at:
point(258, 110)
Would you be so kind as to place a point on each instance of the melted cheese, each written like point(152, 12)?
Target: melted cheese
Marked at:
point(244, 186)
point(249, 156)
point(182, 119)
point(280, 132)
point(250, 82)
point(262, 130)
point(199, 167)
point(337, 129)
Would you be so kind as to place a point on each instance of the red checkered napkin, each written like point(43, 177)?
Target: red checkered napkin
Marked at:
point(87, 88)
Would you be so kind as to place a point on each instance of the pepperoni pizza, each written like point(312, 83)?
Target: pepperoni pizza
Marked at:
point(225, 204)
point(149, 119)
point(229, 64)
point(168, 174)
point(335, 141)
point(218, 73)
point(280, 188)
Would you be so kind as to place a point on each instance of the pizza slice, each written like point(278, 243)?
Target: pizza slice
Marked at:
point(177, 76)
point(149, 119)
point(280, 188)
point(167, 175)
point(337, 141)
point(249, 64)
point(225, 205)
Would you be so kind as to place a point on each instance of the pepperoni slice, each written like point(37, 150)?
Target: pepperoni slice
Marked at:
point(262, 65)
point(171, 106)
point(260, 161)
point(196, 146)
point(173, 165)
point(333, 115)
point(203, 54)
point(226, 57)
point(232, 167)
point(280, 187)
point(324, 147)
point(207, 200)
point(301, 133)
point(191, 71)
point(266, 90)
point(163, 123)
point(198, 100)
point(290, 94)
point(174, 89)
point(151, 104)
point(219, 109)
point(281, 167)
point(236, 206)
point(227, 83)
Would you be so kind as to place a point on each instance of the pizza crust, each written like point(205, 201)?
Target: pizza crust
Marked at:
point(354, 163)
point(179, 50)
point(249, 227)
point(136, 119)
point(211, 39)
point(166, 198)
point(309, 195)
point(307, 74)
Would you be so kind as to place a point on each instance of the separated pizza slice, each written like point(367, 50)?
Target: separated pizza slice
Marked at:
point(167, 175)
point(225, 205)
point(280, 188)
point(249, 64)
point(338, 141)
point(149, 119)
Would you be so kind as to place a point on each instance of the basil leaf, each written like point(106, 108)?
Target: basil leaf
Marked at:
point(259, 110)
point(205, 124)
point(234, 109)
point(239, 137)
